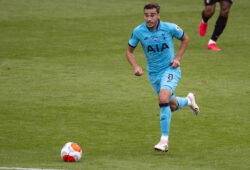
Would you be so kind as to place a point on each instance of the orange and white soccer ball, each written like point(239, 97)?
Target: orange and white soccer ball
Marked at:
point(71, 152)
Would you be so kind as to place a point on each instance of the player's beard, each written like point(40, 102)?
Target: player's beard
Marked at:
point(151, 25)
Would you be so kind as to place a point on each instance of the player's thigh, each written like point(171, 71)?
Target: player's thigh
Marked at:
point(210, 6)
point(155, 82)
point(225, 7)
point(170, 79)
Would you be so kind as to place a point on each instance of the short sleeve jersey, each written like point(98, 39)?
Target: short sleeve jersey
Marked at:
point(158, 44)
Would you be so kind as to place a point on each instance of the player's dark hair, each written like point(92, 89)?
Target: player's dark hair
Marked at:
point(152, 5)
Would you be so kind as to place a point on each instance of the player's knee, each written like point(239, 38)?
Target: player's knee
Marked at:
point(164, 96)
point(224, 12)
point(209, 12)
point(225, 8)
point(163, 99)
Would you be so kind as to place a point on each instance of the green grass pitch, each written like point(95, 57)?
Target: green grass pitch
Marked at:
point(64, 77)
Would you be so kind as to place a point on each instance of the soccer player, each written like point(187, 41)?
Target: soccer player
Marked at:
point(221, 22)
point(156, 38)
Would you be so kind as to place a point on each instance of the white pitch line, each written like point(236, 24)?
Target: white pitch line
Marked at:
point(17, 168)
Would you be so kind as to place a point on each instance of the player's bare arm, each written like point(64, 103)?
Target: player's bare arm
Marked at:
point(132, 61)
point(182, 47)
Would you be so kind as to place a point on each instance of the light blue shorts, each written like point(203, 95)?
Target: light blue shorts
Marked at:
point(165, 79)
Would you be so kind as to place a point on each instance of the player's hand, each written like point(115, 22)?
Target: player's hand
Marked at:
point(175, 63)
point(138, 71)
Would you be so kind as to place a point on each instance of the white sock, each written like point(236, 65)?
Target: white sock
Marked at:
point(211, 42)
point(164, 138)
point(189, 101)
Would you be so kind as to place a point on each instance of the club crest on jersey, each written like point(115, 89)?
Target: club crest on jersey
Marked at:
point(155, 39)
point(163, 35)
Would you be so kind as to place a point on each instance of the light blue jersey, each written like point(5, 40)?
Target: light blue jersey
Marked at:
point(158, 47)
point(158, 44)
